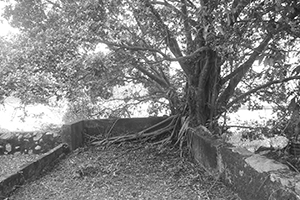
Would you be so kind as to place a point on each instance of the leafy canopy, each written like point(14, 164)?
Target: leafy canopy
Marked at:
point(228, 52)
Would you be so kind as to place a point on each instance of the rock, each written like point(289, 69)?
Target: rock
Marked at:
point(6, 136)
point(27, 135)
point(20, 137)
point(38, 136)
point(50, 133)
point(8, 147)
point(279, 142)
point(38, 147)
point(263, 164)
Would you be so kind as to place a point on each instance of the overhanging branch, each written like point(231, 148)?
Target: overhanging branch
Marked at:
point(165, 56)
point(240, 72)
point(242, 96)
point(155, 78)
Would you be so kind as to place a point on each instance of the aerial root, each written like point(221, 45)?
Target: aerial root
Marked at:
point(173, 131)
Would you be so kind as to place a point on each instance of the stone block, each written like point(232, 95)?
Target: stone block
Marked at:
point(119, 126)
point(252, 176)
point(72, 134)
point(204, 152)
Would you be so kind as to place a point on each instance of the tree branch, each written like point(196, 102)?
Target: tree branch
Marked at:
point(157, 79)
point(170, 40)
point(54, 4)
point(165, 56)
point(236, 8)
point(242, 96)
point(240, 72)
point(165, 3)
point(187, 27)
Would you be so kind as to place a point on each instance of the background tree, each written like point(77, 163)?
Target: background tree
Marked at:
point(216, 44)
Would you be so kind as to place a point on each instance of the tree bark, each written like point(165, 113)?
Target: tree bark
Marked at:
point(203, 86)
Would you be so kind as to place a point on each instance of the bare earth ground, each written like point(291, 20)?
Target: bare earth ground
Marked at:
point(127, 171)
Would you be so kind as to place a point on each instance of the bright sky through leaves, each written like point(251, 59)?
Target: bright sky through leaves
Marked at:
point(5, 28)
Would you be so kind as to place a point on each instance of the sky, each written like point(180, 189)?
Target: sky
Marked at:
point(5, 28)
point(10, 116)
point(38, 116)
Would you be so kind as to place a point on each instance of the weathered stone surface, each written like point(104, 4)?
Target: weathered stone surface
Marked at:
point(120, 126)
point(252, 176)
point(72, 134)
point(6, 136)
point(204, 152)
point(263, 164)
point(8, 147)
point(28, 141)
point(32, 170)
point(38, 136)
point(38, 147)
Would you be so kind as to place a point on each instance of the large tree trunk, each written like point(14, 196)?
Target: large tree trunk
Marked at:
point(203, 86)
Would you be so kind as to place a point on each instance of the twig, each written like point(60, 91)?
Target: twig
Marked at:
point(214, 183)
point(111, 128)
point(131, 137)
point(238, 126)
point(292, 166)
point(261, 186)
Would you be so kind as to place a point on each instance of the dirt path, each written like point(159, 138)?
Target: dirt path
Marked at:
point(129, 171)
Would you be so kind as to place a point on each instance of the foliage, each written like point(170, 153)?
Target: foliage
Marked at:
point(229, 52)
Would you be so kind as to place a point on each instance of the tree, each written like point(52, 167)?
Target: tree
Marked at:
point(215, 43)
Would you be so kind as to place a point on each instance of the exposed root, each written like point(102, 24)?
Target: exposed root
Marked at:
point(160, 135)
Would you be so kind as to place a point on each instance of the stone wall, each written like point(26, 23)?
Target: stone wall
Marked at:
point(252, 176)
point(120, 126)
point(72, 134)
point(10, 182)
point(76, 134)
point(29, 142)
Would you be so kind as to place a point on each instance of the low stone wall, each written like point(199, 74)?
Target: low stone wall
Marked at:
point(120, 126)
point(32, 170)
point(252, 176)
point(29, 142)
point(72, 134)
point(75, 135)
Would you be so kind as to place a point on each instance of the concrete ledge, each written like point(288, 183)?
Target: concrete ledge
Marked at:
point(120, 126)
point(73, 134)
point(30, 171)
point(252, 176)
